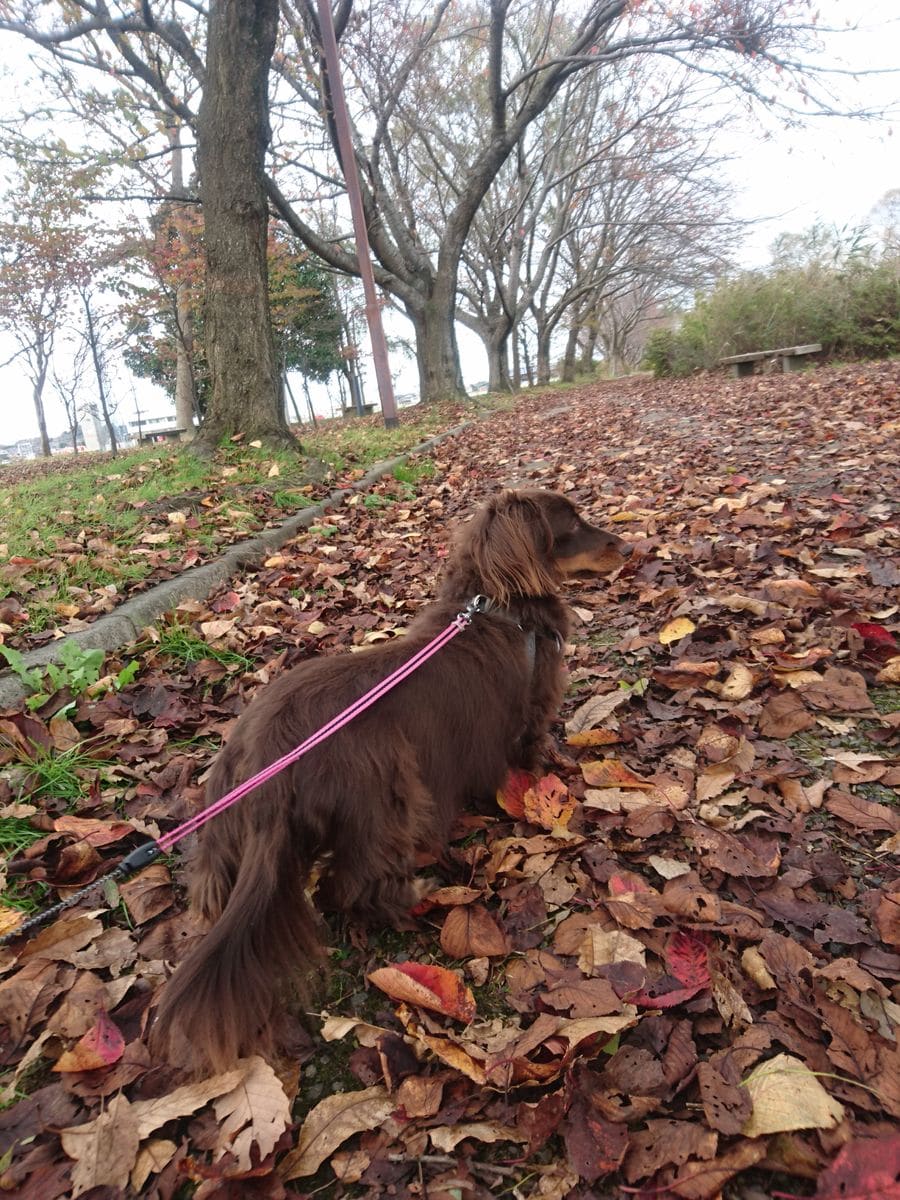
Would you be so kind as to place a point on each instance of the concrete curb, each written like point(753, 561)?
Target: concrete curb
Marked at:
point(125, 623)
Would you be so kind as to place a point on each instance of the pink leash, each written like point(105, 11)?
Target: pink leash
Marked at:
point(457, 625)
point(145, 854)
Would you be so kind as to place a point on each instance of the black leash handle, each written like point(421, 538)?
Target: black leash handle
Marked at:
point(135, 861)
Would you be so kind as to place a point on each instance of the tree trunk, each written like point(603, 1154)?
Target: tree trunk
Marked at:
point(568, 370)
point(437, 354)
point(185, 385)
point(185, 392)
point(526, 358)
point(496, 344)
point(37, 395)
point(590, 345)
point(232, 136)
point(98, 371)
point(543, 355)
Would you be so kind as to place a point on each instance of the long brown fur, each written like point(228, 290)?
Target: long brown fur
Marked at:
point(362, 803)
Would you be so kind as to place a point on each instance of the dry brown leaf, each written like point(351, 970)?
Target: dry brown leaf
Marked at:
point(104, 1149)
point(595, 710)
point(890, 672)
point(755, 966)
point(255, 1112)
point(154, 1156)
point(330, 1124)
point(602, 946)
point(183, 1102)
point(471, 932)
point(447, 1137)
point(739, 683)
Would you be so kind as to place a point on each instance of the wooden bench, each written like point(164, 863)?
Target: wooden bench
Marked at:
point(792, 359)
point(151, 437)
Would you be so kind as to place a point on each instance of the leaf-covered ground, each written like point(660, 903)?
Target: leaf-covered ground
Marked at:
point(669, 967)
point(80, 534)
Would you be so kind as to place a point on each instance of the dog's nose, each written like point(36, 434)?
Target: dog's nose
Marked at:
point(625, 549)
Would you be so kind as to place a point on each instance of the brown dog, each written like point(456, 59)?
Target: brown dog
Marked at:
point(393, 781)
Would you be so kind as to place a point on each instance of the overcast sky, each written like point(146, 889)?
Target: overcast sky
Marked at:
point(833, 170)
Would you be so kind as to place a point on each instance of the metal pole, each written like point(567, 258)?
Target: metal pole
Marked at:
point(351, 178)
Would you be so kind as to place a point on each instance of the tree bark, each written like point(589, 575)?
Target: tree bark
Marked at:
point(37, 396)
point(93, 342)
point(437, 354)
point(590, 345)
point(496, 343)
point(232, 136)
point(568, 369)
point(185, 389)
point(544, 333)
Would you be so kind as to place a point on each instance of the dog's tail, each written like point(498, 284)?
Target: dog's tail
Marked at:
point(220, 1003)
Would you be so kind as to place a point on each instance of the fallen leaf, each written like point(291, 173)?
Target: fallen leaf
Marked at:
point(787, 1095)
point(331, 1123)
point(101, 1046)
point(447, 1137)
point(865, 1169)
point(254, 1114)
point(429, 987)
point(675, 630)
point(471, 932)
point(104, 1149)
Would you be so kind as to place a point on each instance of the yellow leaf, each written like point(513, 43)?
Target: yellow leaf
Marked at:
point(739, 683)
point(890, 672)
point(273, 471)
point(675, 630)
point(787, 1095)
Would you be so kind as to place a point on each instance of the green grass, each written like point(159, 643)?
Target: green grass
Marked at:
point(116, 503)
point(16, 835)
point(181, 643)
point(62, 775)
point(885, 699)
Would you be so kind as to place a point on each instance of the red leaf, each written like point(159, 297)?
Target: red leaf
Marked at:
point(511, 797)
point(665, 999)
point(430, 987)
point(101, 1046)
point(226, 603)
point(866, 1169)
point(624, 885)
point(874, 633)
point(687, 957)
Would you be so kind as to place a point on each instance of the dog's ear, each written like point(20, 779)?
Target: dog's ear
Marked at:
point(512, 545)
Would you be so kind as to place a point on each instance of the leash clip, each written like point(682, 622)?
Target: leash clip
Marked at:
point(477, 604)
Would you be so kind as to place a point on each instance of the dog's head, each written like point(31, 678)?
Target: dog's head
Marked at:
point(524, 543)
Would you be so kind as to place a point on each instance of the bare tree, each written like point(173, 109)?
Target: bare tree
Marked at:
point(43, 257)
point(443, 93)
point(94, 343)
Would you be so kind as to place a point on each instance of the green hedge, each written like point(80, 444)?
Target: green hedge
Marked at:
point(853, 311)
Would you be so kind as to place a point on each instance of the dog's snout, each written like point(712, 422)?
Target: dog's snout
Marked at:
point(626, 549)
